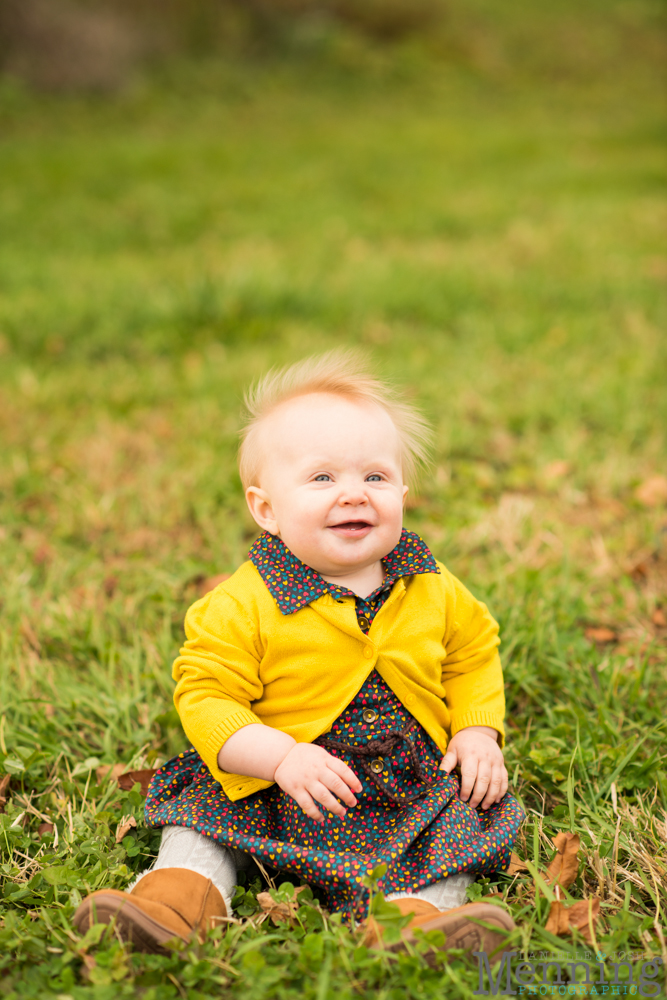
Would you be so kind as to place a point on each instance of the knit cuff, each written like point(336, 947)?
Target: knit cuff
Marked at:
point(217, 739)
point(461, 720)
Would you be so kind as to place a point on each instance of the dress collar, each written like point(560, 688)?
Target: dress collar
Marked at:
point(293, 585)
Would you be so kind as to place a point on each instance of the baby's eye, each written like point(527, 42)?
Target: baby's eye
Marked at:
point(374, 478)
point(323, 478)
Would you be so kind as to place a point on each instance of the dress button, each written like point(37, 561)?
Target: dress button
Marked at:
point(368, 652)
point(377, 765)
point(370, 715)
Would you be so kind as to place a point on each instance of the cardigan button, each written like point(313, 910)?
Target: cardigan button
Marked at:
point(368, 652)
point(370, 715)
point(377, 765)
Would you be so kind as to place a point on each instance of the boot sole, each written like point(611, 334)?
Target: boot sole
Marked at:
point(134, 926)
point(463, 930)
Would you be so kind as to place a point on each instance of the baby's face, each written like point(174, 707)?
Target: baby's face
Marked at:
point(331, 484)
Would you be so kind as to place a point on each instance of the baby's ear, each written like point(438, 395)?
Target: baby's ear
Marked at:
point(405, 492)
point(260, 507)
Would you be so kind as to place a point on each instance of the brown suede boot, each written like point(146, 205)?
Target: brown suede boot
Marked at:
point(165, 904)
point(459, 925)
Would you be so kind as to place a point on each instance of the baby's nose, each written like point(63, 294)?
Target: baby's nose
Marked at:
point(353, 497)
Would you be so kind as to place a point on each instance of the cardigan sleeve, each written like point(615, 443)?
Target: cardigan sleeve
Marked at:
point(217, 675)
point(471, 671)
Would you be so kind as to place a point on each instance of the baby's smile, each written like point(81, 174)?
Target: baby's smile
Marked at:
point(351, 529)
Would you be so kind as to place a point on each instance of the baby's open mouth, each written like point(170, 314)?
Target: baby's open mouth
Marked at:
point(351, 527)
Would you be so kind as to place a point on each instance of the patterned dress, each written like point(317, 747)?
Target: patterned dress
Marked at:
point(408, 816)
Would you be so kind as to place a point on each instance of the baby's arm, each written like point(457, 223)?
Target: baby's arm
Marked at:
point(217, 682)
point(473, 680)
point(304, 770)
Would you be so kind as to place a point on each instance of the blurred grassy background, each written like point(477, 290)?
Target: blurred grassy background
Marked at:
point(473, 192)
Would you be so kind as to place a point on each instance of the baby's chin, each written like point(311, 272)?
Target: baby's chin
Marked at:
point(329, 552)
point(353, 553)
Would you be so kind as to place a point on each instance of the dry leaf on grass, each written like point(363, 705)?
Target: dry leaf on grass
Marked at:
point(601, 634)
point(45, 828)
point(4, 787)
point(126, 824)
point(653, 491)
point(640, 569)
point(280, 913)
point(516, 865)
point(581, 915)
point(89, 964)
point(565, 865)
point(110, 771)
point(659, 618)
point(130, 778)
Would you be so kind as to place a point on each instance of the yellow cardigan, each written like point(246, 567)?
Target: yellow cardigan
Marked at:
point(245, 662)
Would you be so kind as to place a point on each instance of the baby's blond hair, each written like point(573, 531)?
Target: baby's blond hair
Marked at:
point(340, 373)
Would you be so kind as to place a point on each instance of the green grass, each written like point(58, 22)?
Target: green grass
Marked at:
point(498, 245)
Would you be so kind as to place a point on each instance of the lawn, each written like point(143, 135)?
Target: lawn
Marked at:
point(496, 243)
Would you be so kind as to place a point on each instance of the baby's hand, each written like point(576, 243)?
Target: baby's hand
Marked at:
point(309, 774)
point(482, 766)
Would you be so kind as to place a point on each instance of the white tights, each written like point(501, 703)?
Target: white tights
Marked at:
point(182, 847)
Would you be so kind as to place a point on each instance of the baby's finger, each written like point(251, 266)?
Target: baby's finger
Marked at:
point(303, 799)
point(493, 791)
point(322, 795)
point(481, 783)
point(468, 776)
point(336, 785)
point(340, 768)
point(449, 761)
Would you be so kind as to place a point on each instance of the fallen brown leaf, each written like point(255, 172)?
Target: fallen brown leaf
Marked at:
point(280, 913)
point(516, 865)
point(564, 866)
point(639, 571)
point(562, 920)
point(601, 634)
point(89, 964)
point(4, 785)
point(653, 491)
point(109, 585)
point(45, 828)
point(110, 771)
point(130, 778)
point(126, 824)
point(659, 618)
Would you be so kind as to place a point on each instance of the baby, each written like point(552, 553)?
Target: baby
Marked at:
point(330, 688)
